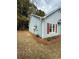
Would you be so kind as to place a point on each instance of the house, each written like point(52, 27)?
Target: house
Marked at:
point(47, 26)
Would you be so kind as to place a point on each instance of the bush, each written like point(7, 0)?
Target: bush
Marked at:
point(50, 38)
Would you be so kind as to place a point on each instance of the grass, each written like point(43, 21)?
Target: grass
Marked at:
point(28, 48)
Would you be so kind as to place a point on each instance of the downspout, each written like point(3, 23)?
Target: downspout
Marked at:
point(41, 26)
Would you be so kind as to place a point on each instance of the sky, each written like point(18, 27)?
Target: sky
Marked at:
point(47, 5)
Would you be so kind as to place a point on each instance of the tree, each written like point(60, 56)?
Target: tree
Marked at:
point(40, 13)
point(22, 14)
point(24, 9)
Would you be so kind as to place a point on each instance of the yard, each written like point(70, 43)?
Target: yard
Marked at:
point(29, 47)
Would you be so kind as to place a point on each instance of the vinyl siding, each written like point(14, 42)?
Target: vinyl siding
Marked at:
point(52, 19)
point(35, 22)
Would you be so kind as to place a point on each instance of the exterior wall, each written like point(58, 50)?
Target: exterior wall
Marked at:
point(34, 21)
point(52, 19)
point(59, 28)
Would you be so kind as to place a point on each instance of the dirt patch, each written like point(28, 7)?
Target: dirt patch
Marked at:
point(29, 47)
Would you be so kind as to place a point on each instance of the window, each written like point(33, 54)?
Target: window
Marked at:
point(50, 27)
point(55, 28)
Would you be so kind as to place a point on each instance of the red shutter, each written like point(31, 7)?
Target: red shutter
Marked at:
point(48, 28)
point(56, 27)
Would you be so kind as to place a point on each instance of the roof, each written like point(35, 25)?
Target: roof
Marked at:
point(46, 15)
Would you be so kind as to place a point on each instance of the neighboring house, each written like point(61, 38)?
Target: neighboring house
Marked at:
point(47, 26)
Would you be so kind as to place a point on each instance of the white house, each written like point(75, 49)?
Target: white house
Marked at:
point(47, 26)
